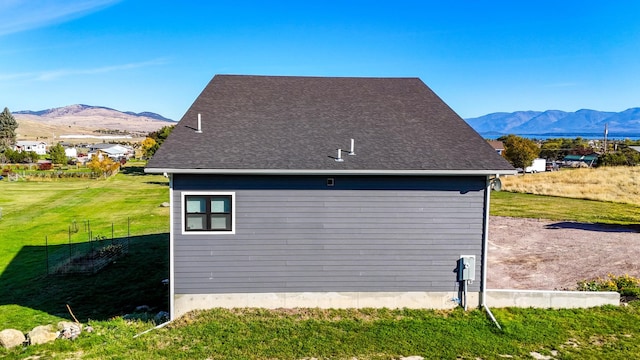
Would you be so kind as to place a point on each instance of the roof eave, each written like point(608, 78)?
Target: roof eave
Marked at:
point(483, 172)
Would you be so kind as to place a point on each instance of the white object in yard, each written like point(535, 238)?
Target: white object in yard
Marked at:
point(538, 165)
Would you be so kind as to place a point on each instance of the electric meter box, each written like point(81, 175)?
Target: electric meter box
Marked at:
point(467, 268)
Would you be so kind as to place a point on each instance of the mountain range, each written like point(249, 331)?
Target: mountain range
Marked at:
point(80, 108)
point(556, 122)
point(83, 119)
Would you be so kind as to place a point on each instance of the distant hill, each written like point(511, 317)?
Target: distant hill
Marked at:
point(85, 120)
point(558, 122)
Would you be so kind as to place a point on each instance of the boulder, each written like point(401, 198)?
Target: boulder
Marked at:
point(69, 330)
point(42, 335)
point(11, 337)
point(161, 317)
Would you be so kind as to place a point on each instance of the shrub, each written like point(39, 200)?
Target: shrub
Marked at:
point(626, 285)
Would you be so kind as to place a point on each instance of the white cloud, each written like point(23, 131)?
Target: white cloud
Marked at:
point(49, 75)
point(21, 15)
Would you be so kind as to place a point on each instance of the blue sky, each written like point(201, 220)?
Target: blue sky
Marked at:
point(479, 56)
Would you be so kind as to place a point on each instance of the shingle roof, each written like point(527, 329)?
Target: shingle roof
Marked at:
point(497, 145)
point(298, 123)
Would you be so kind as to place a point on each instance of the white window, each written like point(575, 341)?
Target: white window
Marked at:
point(208, 212)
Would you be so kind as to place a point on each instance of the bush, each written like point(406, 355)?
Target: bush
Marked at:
point(626, 285)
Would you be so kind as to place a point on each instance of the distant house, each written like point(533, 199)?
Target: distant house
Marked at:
point(325, 192)
point(71, 152)
point(114, 151)
point(580, 160)
point(497, 145)
point(39, 147)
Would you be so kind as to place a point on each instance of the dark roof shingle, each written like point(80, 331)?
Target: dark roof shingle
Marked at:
point(298, 123)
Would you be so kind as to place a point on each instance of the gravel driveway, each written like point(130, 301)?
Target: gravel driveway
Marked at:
point(550, 255)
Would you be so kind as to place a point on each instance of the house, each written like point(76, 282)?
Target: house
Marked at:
point(38, 147)
point(497, 145)
point(325, 192)
point(114, 151)
point(580, 160)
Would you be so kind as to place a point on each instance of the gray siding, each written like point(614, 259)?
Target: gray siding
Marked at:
point(295, 234)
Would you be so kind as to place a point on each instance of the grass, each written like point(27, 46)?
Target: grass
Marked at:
point(606, 332)
point(33, 210)
point(606, 195)
point(562, 208)
point(619, 184)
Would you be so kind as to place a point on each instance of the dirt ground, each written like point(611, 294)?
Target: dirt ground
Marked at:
point(546, 255)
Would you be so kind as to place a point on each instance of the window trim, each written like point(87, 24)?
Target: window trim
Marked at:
point(183, 213)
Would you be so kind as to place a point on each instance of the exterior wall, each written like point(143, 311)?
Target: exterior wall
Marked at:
point(297, 235)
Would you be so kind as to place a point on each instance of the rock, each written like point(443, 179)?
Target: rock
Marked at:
point(165, 204)
point(161, 317)
point(538, 356)
point(42, 335)
point(11, 338)
point(69, 330)
point(89, 329)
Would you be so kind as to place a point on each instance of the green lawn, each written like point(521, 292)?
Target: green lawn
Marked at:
point(559, 208)
point(33, 211)
point(600, 333)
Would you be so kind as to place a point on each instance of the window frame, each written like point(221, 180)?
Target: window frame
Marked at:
point(209, 195)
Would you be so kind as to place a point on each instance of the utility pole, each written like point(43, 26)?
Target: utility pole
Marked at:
point(606, 132)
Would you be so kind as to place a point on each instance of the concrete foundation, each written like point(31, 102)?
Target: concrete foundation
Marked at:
point(336, 300)
point(550, 299)
point(184, 303)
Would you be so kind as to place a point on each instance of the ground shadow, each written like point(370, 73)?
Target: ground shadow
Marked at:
point(163, 183)
point(133, 280)
point(139, 171)
point(133, 170)
point(594, 226)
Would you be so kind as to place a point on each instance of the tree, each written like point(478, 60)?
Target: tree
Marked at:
point(519, 151)
point(57, 154)
point(161, 135)
point(158, 138)
point(103, 165)
point(8, 126)
point(625, 156)
point(149, 147)
point(20, 157)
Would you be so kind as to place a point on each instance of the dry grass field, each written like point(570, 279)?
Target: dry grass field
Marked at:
point(613, 184)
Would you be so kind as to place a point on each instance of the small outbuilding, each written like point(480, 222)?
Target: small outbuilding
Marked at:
point(325, 192)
